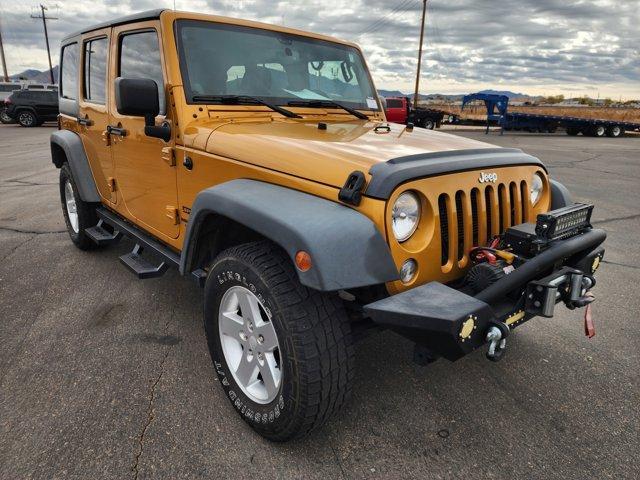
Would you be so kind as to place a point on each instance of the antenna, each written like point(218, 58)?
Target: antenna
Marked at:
point(44, 18)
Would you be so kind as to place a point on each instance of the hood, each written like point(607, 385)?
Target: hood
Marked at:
point(326, 156)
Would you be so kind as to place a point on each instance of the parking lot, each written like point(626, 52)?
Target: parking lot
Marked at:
point(105, 376)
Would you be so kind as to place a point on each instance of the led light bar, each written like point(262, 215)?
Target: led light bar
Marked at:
point(564, 222)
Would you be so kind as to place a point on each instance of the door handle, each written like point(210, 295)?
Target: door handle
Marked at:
point(111, 130)
point(86, 122)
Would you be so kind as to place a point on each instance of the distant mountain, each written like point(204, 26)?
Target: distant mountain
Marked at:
point(36, 76)
point(391, 93)
point(440, 96)
point(508, 93)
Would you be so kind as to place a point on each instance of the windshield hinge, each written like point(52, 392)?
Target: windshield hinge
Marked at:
point(351, 192)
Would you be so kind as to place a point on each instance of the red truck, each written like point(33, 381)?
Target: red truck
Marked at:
point(400, 110)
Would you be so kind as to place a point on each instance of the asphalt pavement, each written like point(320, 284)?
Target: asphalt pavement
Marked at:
point(106, 376)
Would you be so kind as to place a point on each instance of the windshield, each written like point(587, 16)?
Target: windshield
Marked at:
point(220, 59)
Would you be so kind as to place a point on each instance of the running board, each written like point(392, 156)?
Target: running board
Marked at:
point(141, 267)
point(134, 261)
point(101, 236)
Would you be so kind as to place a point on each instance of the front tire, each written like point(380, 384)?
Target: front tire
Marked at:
point(27, 119)
point(282, 352)
point(78, 214)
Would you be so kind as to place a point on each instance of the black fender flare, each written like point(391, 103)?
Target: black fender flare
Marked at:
point(560, 195)
point(346, 248)
point(71, 144)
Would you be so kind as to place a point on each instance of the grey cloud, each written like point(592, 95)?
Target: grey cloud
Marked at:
point(467, 41)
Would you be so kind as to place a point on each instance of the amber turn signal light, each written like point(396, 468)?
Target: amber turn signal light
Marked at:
point(303, 261)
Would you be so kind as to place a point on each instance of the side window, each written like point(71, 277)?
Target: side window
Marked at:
point(95, 70)
point(140, 58)
point(69, 72)
point(391, 103)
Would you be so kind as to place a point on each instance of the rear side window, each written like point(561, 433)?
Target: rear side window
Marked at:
point(140, 58)
point(95, 70)
point(9, 88)
point(69, 72)
point(394, 103)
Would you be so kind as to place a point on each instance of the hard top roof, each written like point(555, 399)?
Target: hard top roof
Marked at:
point(136, 17)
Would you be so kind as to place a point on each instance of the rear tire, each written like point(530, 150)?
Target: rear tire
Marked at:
point(573, 131)
point(5, 118)
point(310, 363)
point(429, 124)
point(78, 214)
point(615, 131)
point(27, 119)
point(598, 131)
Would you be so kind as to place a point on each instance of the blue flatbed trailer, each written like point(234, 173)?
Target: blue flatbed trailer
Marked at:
point(497, 111)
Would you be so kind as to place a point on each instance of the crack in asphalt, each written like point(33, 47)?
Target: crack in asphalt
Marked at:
point(22, 183)
point(17, 246)
point(152, 397)
point(31, 232)
point(616, 219)
point(628, 265)
point(338, 462)
point(577, 163)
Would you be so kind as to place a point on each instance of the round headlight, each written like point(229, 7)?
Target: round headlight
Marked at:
point(405, 215)
point(536, 188)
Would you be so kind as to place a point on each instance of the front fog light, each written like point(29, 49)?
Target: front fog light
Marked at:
point(408, 270)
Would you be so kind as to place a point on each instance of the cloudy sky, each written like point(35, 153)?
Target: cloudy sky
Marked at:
point(570, 47)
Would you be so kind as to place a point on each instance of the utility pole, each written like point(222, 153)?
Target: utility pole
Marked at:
point(4, 63)
point(44, 18)
point(424, 13)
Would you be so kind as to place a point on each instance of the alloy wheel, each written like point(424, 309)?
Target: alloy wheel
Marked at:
point(250, 344)
point(26, 119)
point(72, 208)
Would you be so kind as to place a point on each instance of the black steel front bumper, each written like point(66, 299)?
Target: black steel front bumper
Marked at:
point(451, 323)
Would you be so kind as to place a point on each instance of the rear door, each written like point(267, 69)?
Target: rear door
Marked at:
point(146, 182)
point(93, 116)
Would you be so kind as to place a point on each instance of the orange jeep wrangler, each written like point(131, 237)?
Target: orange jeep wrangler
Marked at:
point(258, 161)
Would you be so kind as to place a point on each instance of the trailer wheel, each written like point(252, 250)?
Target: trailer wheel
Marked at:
point(598, 131)
point(615, 131)
point(573, 131)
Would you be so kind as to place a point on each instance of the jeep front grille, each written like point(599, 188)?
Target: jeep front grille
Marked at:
point(475, 217)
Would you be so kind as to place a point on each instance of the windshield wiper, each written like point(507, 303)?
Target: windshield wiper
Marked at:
point(327, 103)
point(240, 99)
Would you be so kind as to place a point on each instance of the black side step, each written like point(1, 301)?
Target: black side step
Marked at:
point(101, 236)
point(134, 261)
point(140, 266)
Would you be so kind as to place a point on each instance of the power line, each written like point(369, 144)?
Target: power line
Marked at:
point(44, 18)
point(398, 9)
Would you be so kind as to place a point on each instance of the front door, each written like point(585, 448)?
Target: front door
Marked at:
point(145, 182)
point(93, 116)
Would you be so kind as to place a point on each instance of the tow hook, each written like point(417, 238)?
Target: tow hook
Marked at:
point(497, 340)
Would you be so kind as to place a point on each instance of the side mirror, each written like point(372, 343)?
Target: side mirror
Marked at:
point(138, 97)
